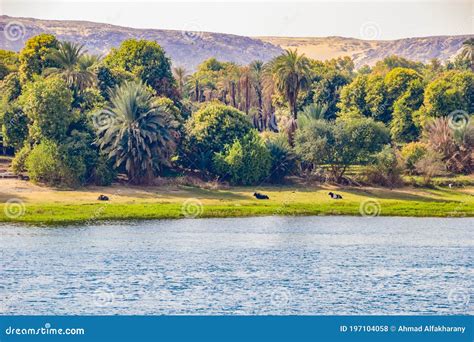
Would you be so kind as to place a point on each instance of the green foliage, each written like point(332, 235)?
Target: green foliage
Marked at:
point(412, 153)
point(140, 136)
point(454, 90)
point(103, 173)
point(385, 169)
point(247, 161)
point(311, 113)
point(47, 102)
point(14, 127)
point(34, 58)
point(283, 160)
point(44, 165)
point(19, 161)
point(209, 129)
point(147, 61)
point(341, 143)
point(10, 88)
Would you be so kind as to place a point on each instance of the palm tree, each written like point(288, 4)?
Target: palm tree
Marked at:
point(468, 51)
point(180, 74)
point(139, 135)
point(256, 80)
point(310, 113)
point(73, 65)
point(290, 73)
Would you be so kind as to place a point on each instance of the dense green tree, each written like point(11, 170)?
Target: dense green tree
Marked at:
point(247, 161)
point(140, 135)
point(147, 61)
point(454, 90)
point(14, 127)
point(10, 88)
point(34, 58)
point(208, 130)
point(468, 52)
point(47, 102)
point(340, 144)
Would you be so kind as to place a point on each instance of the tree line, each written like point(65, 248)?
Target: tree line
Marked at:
point(71, 118)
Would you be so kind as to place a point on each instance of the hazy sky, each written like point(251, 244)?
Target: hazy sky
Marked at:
point(376, 19)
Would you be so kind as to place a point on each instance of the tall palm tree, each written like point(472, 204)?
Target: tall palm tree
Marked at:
point(256, 80)
point(468, 51)
point(180, 74)
point(291, 71)
point(73, 65)
point(139, 135)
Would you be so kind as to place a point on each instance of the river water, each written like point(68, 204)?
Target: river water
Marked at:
point(256, 266)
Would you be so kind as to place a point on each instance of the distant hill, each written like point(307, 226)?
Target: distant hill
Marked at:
point(370, 51)
point(186, 49)
point(189, 48)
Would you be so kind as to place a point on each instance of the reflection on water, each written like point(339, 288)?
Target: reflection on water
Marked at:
point(267, 265)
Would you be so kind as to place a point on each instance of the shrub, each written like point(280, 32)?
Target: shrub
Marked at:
point(103, 173)
point(283, 160)
point(44, 164)
point(412, 153)
point(209, 130)
point(385, 169)
point(430, 165)
point(246, 161)
point(19, 161)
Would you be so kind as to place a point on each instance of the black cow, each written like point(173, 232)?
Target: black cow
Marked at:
point(260, 196)
point(334, 196)
point(103, 198)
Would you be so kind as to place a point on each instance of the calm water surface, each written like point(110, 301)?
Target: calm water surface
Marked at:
point(268, 265)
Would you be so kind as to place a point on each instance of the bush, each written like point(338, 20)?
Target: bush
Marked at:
point(44, 164)
point(430, 165)
point(283, 160)
point(385, 169)
point(103, 173)
point(209, 130)
point(19, 161)
point(411, 154)
point(246, 161)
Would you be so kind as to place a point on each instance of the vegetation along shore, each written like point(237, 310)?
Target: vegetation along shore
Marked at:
point(159, 141)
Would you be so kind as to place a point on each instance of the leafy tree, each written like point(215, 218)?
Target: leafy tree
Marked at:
point(209, 129)
point(353, 98)
point(10, 87)
point(147, 61)
point(140, 137)
point(340, 144)
point(47, 102)
point(14, 127)
point(9, 59)
point(247, 161)
point(34, 56)
point(392, 62)
point(453, 90)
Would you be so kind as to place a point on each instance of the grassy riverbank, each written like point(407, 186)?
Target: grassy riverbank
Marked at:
point(25, 202)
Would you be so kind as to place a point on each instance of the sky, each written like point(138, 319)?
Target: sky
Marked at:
point(376, 19)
